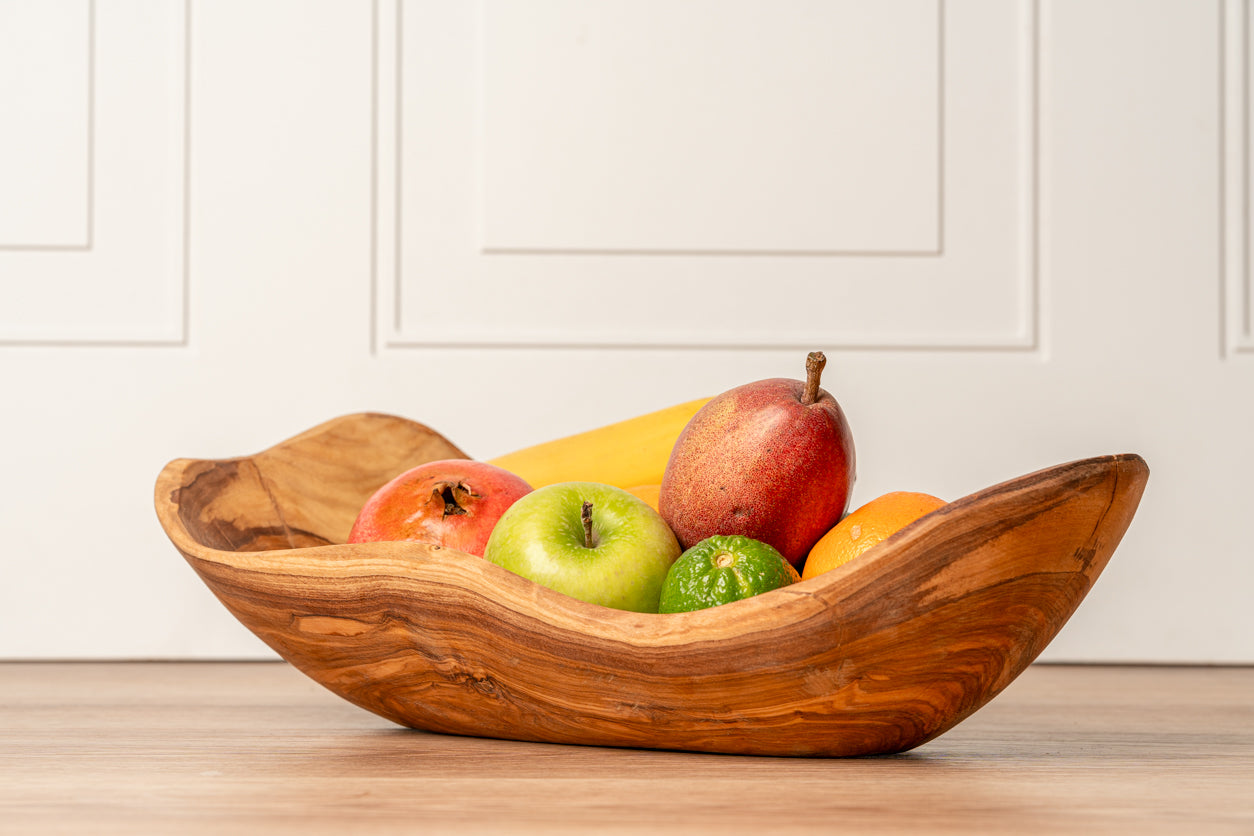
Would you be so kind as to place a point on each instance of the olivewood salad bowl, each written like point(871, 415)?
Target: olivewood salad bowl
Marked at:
point(877, 656)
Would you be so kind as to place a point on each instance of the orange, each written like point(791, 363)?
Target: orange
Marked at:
point(865, 527)
point(648, 493)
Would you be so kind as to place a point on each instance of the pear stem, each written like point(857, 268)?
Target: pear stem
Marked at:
point(815, 361)
point(586, 516)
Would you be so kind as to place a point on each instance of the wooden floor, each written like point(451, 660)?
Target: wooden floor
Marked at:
point(255, 747)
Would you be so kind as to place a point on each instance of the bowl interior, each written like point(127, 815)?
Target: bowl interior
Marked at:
point(306, 491)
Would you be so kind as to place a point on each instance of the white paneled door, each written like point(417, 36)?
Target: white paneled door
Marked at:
point(1020, 230)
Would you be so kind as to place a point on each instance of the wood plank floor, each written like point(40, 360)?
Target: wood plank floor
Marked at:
point(172, 748)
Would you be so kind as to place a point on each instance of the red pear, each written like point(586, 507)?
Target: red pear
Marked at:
point(772, 460)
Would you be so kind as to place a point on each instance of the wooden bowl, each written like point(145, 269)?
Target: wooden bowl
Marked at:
point(877, 656)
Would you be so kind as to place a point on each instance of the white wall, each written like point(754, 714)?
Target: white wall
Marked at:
point(1019, 232)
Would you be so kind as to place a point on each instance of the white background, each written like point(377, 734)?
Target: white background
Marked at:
point(1019, 231)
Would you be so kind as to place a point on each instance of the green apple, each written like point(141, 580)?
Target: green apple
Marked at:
point(594, 542)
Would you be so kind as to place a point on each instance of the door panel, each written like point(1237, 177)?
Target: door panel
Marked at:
point(874, 166)
point(93, 206)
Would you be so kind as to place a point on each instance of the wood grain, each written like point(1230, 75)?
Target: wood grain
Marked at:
point(212, 748)
point(878, 656)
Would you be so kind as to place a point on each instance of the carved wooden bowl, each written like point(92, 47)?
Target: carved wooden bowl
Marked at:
point(878, 656)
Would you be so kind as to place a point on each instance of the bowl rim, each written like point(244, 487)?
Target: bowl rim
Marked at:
point(395, 559)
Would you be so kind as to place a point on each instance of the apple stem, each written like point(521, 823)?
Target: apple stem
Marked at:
point(586, 516)
point(815, 361)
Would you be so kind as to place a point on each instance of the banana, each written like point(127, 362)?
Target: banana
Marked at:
point(626, 454)
point(649, 493)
